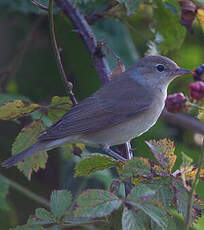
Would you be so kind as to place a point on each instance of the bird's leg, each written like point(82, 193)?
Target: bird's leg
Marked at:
point(129, 150)
point(112, 153)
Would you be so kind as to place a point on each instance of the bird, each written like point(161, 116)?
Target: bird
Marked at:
point(122, 109)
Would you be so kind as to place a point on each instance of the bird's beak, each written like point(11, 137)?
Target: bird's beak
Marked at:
point(181, 71)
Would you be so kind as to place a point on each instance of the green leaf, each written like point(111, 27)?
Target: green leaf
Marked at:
point(93, 163)
point(59, 202)
point(136, 167)
point(157, 214)
point(163, 151)
point(164, 193)
point(60, 105)
point(26, 138)
point(43, 214)
point(96, 203)
point(141, 192)
point(173, 37)
point(16, 108)
point(130, 220)
point(4, 186)
point(182, 198)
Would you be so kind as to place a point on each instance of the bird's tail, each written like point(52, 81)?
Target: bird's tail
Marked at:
point(38, 146)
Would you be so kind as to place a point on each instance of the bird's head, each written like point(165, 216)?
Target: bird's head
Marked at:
point(156, 71)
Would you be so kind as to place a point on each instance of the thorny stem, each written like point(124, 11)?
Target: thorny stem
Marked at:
point(26, 192)
point(68, 84)
point(39, 5)
point(191, 195)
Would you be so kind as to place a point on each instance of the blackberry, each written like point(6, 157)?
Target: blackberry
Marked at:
point(199, 73)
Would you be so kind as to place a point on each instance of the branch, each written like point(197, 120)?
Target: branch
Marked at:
point(88, 38)
point(184, 121)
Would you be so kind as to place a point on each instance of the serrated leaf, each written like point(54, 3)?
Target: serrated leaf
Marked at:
point(26, 138)
point(186, 168)
point(141, 192)
point(163, 151)
point(43, 214)
point(59, 202)
point(60, 105)
point(157, 214)
point(173, 37)
point(130, 220)
point(4, 186)
point(96, 203)
point(163, 190)
point(16, 108)
point(181, 198)
point(136, 167)
point(93, 163)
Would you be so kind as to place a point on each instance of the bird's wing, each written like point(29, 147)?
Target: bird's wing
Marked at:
point(116, 102)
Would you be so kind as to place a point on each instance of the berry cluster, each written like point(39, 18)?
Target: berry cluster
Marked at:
point(177, 102)
point(197, 88)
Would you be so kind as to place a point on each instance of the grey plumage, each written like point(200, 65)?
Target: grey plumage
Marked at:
point(122, 109)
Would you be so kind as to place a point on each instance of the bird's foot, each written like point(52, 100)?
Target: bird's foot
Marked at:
point(113, 154)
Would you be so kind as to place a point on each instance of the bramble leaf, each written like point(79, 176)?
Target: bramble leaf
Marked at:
point(163, 190)
point(26, 138)
point(136, 167)
point(141, 192)
point(130, 220)
point(63, 104)
point(96, 203)
point(43, 214)
point(157, 214)
point(93, 163)
point(163, 151)
point(16, 108)
point(60, 200)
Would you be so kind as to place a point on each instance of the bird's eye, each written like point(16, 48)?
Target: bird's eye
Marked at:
point(160, 68)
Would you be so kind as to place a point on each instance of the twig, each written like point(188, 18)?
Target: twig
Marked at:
point(88, 38)
point(96, 15)
point(68, 84)
point(191, 195)
point(184, 121)
point(26, 192)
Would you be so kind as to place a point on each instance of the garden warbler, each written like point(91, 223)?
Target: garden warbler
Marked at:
point(124, 108)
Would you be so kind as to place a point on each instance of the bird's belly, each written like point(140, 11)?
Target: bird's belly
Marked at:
point(125, 131)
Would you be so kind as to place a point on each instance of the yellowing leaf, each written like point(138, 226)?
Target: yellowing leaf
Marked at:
point(59, 106)
point(200, 15)
point(163, 151)
point(26, 138)
point(16, 108)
